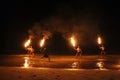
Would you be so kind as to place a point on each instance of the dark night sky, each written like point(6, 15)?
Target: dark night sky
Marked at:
point(95, 17)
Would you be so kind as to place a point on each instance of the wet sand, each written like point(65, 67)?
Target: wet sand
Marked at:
point(60, 67)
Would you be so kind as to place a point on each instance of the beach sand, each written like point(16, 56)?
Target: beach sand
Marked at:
point(59, 68)
point(20, 73)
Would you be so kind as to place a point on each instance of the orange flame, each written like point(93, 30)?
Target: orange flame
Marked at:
point(72, 41)
point(42, 42)
point(99, 40)
point(27, 43)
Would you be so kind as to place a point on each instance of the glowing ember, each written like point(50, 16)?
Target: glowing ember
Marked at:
point(26, 63)
point(72, 41)
point(42, 42)
point(27, 43)
point(99, 40)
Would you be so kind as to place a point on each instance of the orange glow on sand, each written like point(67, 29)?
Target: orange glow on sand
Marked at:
point(100, 65)
point(26, 64)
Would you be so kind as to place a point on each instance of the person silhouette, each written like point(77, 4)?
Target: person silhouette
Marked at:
point(30, 51)
point(45, 54)
point(78, 51)
point(102, 48)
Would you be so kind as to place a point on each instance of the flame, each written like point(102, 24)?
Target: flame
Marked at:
point(26, 64)
point(42, 42)
point(72, 41)
point(27, 43)
point(99, 40)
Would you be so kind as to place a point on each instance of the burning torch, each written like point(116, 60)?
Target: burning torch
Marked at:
point(27, 43)
point(42, 42)
point(73, 41)
point(100, 43)
point(27, 46)
point(99, 40)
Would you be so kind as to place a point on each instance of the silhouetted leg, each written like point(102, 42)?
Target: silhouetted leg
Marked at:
point(49, 59)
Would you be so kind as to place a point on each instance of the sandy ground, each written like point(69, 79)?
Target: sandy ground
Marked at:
point(11, 68)
point(17, 73)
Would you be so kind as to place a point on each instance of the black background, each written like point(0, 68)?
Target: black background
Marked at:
point(19, 16)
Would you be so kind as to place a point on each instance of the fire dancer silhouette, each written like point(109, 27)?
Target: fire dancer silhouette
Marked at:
point(102, 48)
point(79, 51)
point(30, 51)
point(45, 54)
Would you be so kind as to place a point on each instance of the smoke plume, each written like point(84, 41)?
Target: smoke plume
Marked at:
point(82, 24)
